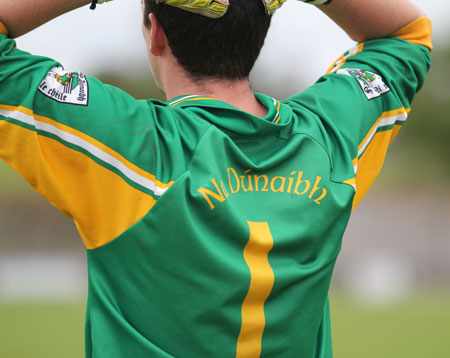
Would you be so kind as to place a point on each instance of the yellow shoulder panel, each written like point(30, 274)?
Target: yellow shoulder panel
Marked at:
point(373, 149)
point(101, 202)
point(3, 29)
point(417, 32)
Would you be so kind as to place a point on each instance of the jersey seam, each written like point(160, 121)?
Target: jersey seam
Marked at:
point(87, 151)
point(324, 149)
point(118, 237)
point(210, 129)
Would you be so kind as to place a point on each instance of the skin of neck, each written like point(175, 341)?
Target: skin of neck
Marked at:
point(174, 81)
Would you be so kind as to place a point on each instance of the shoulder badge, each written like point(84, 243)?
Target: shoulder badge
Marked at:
point(65, 87)
point(372, 84)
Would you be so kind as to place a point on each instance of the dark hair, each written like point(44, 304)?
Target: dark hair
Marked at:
point(223, 48)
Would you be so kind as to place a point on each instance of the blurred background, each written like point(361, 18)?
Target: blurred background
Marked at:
point(391, 292)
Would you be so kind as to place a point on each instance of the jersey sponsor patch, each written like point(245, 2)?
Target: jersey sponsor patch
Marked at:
point(372, 84)
point(65, 87)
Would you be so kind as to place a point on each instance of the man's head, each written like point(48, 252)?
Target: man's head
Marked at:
point(225, 48)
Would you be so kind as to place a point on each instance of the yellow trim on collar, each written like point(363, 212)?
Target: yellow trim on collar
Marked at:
point(188, 99)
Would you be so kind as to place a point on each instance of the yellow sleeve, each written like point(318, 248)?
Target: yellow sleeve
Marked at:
point(3, 29)
point(102, 204)
point(417, 32)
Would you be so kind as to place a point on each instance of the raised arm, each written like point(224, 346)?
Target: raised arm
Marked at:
point(22, 16)
point(366, 96)
point(365, 20)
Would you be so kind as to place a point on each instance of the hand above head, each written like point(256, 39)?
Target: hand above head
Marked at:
point(273, 5)
point(20, 17)
point(212, 9)
point(365, 20)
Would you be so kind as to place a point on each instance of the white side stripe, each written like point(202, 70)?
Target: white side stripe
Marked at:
point(90, 148)
point(384, 122)
point(19, 116)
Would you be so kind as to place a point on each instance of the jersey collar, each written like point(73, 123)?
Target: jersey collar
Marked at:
point(278, 115)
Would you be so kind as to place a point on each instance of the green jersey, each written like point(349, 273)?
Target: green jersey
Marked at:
point(210, 232)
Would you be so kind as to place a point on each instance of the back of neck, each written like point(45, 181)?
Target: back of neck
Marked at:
point(235, 93)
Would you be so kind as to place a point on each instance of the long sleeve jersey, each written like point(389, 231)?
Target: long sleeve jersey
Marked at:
point(209, 232)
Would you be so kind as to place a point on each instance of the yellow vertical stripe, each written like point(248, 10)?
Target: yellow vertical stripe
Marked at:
point(261, 283)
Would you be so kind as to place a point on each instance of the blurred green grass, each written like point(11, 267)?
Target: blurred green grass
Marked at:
point(41, 330)
point(416, 328)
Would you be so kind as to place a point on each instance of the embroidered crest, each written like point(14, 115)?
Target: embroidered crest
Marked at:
point(372, 84)
point(65, 87)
